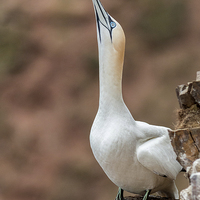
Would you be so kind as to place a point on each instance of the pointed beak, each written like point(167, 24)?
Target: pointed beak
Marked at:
point(103, 18)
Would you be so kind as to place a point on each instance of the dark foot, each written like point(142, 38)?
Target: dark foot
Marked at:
point(120, 194)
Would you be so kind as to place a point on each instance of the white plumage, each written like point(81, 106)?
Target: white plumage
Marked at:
point(136, 156)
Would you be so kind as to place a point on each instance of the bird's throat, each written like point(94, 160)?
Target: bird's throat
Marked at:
point(110, 77)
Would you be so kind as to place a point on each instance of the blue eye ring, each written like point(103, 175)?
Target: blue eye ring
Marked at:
point(112, 24)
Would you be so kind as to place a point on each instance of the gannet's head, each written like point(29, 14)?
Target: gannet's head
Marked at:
point(110, 34)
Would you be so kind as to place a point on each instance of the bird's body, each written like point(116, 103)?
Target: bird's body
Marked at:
point(135, 156)
point(116, 147)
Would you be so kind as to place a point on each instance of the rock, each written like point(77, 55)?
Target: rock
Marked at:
point(184, 146)
point(188, 118)
point(150, 198)
point(195, 132)
point(193, 191)
point(195, 183)
point(195, 91)
point(186, 138)
point(186, 194)
point(186, 100)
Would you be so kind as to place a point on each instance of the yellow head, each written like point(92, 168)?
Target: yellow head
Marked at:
point(110, 35)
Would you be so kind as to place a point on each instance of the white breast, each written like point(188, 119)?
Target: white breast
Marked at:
point(114, 142)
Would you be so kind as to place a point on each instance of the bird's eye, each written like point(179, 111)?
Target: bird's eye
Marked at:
point(112, 24)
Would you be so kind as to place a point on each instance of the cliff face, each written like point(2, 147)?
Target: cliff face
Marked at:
point(49, 87)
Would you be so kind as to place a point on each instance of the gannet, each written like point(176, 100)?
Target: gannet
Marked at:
point(136, 156)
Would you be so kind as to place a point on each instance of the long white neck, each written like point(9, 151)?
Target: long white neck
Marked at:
point(110, 76)
point(111, 45)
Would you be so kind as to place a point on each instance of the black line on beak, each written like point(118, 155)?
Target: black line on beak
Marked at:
point(100, 5)
point(107, 20)
point(98, 24)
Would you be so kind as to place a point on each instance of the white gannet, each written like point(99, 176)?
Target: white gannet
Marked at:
point(136, 156)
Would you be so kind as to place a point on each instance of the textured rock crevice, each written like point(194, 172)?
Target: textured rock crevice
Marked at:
point(185, 139)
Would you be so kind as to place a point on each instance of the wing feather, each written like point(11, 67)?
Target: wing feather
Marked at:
point(158, 156)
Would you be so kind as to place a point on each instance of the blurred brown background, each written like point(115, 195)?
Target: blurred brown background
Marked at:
point(49, 87)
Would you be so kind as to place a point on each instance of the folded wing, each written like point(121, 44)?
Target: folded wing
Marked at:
point(157, 155)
